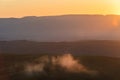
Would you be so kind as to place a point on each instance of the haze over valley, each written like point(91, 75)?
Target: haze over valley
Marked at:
point(61, 28)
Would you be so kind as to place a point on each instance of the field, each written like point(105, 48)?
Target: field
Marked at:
point(80, 60)
point(93, 67)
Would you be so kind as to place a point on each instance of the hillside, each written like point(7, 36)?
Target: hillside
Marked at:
point(93, 47)
point(106, 68)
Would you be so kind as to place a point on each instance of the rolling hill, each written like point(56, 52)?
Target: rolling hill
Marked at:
point(88, 47)
point(107, 68)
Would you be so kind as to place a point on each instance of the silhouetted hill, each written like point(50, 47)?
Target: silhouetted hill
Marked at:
point(88, 47)
point(61, 28)
point(106, 68)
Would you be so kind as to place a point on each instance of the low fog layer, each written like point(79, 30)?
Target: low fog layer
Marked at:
point(64, 63)
point(60, 28)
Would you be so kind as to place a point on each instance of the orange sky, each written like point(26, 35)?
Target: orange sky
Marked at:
point(20, 8)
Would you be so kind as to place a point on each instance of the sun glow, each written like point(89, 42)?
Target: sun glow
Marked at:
point(115, 22)
point(116, 4)
point(20, 8)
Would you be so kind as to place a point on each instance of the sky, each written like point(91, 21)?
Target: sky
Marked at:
point(20, 8)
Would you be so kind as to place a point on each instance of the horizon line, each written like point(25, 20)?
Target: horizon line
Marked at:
point(66, 15)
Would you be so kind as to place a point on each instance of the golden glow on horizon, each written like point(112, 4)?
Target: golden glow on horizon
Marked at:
point(19, 8)
point(116, 4)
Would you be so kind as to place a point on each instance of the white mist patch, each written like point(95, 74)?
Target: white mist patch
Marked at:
point(34, 68)
point(37, 66)
point(66, 62)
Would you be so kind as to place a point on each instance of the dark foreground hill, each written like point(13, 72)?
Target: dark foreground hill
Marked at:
point(95, 47)
point(101, 68)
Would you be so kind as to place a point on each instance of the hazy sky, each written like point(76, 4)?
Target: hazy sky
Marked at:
point(19, 8)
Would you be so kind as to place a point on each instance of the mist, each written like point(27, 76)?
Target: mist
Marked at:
point(66, 63)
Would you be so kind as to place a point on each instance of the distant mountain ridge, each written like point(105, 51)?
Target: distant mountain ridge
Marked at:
point(61, 28)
